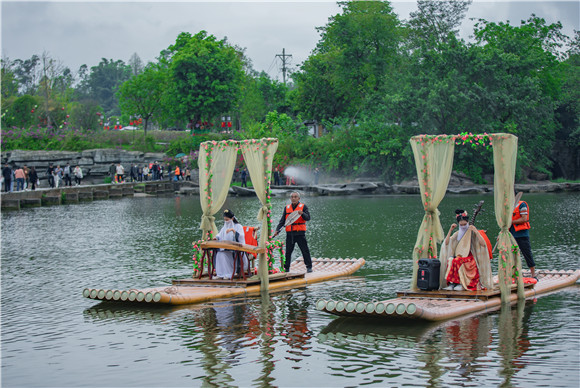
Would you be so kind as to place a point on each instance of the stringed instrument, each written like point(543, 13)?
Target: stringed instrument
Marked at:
point(476, 210)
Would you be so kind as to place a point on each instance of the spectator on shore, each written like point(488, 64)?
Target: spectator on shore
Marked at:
point(57, 175)
point(154, 171)
point(78, 172)
point(177, 174)
point(244, 177)
point(112, 172)
point(67, 175)
point(7, 175)
point(188, 175)
point(316, 174)
point(120, 172)
point(133, 172)
point(33, 178)
point(140, 173)
point(50, 175)
point(277, 177)
point(20, 177)
point(145, 173)
point(26, 179)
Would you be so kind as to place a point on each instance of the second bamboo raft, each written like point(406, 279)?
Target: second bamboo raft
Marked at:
point(430, 306)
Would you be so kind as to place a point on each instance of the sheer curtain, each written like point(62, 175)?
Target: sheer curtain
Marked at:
point(259, 155)
point(216, 163)
point(505, 149)
point(434, 162)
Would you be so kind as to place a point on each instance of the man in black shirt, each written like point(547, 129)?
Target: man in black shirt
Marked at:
point(296, 231)
point(49, 175)
point(7, 175)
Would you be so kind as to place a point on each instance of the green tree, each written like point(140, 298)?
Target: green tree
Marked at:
point(22, 113)
point(9, 87)
point(103, 82)
point(520, 84)
point(206, 76)
point(142, 94)
point(353, 64)
point(26, 71)
point(435, 22)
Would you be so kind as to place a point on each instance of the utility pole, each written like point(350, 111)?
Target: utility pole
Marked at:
point(284, 68)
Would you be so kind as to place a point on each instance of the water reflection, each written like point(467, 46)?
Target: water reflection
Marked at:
point(450, 352)
point(224, 331)
point(278, 339)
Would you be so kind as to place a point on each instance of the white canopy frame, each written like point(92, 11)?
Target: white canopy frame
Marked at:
point(434, 163)
point(216, 163)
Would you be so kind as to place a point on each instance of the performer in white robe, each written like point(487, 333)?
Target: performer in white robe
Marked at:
point(224, 260)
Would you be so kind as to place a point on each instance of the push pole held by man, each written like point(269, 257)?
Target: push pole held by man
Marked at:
point(294, 220)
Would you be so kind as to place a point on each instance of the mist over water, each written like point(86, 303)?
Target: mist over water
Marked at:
point(301, 175)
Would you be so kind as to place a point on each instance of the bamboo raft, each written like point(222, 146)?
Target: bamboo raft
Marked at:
point(440, 305)
point(194, 290)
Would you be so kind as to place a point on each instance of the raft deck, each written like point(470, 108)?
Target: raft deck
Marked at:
point(440, 305)
point(193, 290)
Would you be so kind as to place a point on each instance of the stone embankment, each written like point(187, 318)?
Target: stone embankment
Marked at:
point(75, 194)
point(94, 163)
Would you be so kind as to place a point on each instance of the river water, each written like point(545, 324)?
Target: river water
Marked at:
point(53, 337)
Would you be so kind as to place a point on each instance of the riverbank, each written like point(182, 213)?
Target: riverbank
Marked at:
point(85, 193)
point(75, 194)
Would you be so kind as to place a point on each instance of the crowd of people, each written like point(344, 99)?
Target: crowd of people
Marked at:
point(24, 178)
point(148, 172)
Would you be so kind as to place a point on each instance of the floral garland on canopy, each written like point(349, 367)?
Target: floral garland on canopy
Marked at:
point(509, 258)
point(247, 146)
point(461, 139)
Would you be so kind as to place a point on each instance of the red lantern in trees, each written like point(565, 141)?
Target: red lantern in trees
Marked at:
point(62, 108)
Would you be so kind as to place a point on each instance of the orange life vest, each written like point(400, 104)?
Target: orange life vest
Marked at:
point(177, 172)
point(300, 224)
point(516, 215)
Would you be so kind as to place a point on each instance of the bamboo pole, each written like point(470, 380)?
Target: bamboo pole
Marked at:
point(330, 305)
point(340, 305)
point(370, 308)
point(380, 308)
point(86, 292)
point(350, 306)
point(360, 307)
point(321, 304)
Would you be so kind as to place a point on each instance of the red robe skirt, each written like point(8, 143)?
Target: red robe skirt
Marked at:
point(470, 267)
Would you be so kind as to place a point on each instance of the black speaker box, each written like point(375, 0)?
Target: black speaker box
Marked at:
point(428, 274)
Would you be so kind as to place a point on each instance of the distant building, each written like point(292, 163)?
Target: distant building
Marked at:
point(314, 128)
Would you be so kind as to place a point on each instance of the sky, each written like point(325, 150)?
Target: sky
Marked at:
point(78, 33)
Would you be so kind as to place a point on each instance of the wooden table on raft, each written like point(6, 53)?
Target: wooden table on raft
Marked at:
point(210, 247)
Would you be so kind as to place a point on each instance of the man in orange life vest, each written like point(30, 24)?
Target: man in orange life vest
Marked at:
point(520, 229)
point(295, 232)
